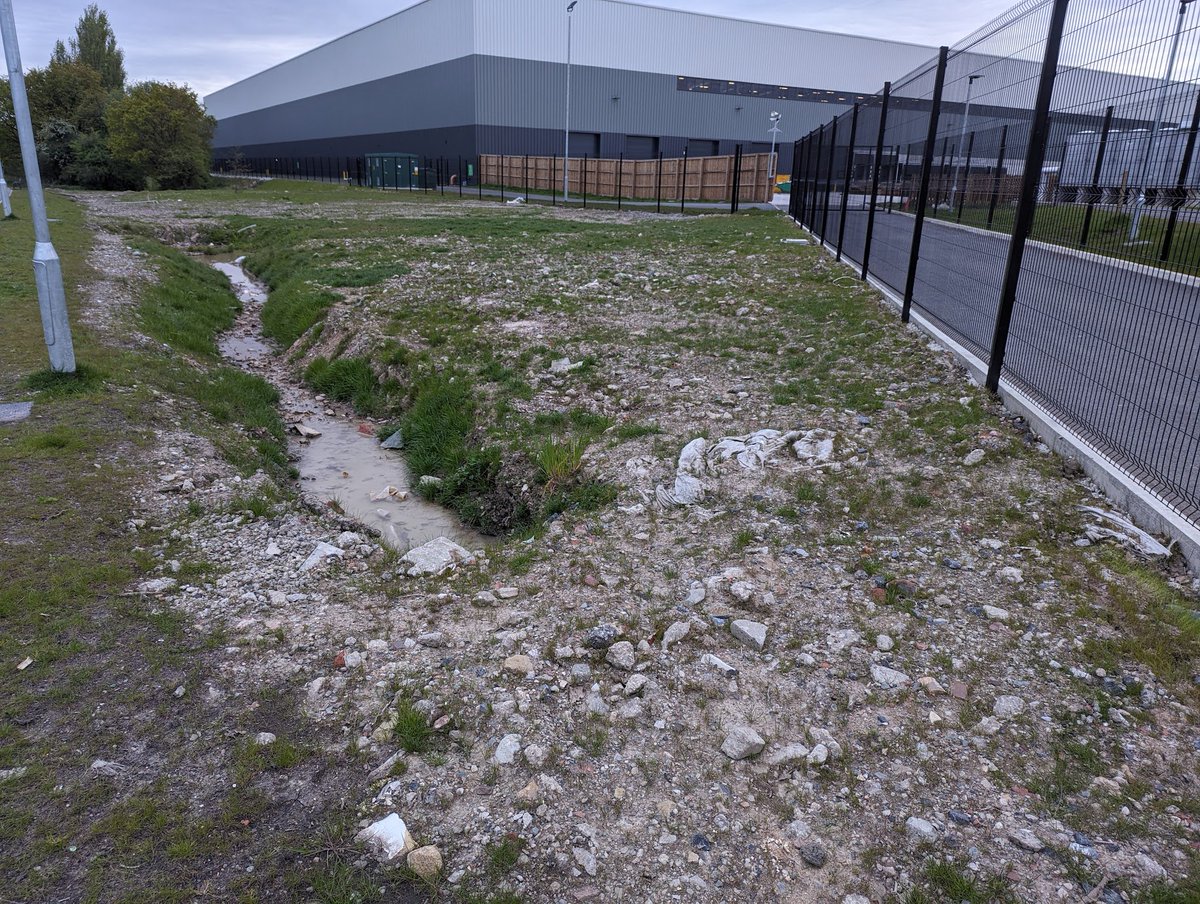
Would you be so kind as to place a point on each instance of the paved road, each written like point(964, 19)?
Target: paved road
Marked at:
point(1115, 350)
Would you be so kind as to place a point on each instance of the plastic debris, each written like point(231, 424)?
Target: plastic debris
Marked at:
point(1125, 532)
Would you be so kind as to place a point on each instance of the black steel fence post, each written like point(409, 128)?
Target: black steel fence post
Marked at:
point(1181, 185)
point(792, 196)
point(1027, 205)
point(998, 181)
point(935, 110)
point(883, 115)
point(962, 189)
point(620, 177)
point(735, 181)
point(503, 168)
point(526, 178)
point(585, 163)
point(554, 181)
point(833, 130)
point(683, 182)
point(846, 183)
point(479, 174)
point(658, 202)
point(941, 183)
point(816, 179)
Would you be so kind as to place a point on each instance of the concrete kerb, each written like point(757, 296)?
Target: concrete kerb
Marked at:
point(1145, 507)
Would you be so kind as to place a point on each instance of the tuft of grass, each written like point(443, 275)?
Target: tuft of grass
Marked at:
point(502, 856)
point(412, 728)
point(558, 461)
point(636, 431)
point(351, 380)
point(52, 384)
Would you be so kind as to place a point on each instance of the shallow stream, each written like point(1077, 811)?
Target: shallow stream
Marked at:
point(345, 464)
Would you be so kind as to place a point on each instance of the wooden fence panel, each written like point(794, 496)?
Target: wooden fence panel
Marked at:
point(707, 179)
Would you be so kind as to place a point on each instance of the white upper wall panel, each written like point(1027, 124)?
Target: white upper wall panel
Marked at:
point(430, 32)
point(619, 35)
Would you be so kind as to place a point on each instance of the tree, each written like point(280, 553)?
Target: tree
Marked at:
point(162, 131)
point(95, 45)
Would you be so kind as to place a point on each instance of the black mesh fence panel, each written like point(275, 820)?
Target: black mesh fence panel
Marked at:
point(1095, 311)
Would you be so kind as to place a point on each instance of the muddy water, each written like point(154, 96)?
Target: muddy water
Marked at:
point(345, 463)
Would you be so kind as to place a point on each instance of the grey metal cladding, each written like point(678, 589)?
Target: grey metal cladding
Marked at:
point(532, 94)
point(437, 96)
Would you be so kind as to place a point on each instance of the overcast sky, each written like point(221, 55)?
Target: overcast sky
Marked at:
point(212, 43)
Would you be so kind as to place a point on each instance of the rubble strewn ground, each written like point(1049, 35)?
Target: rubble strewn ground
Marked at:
point(789, 610)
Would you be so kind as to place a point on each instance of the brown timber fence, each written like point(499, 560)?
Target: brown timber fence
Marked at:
point(681, 178)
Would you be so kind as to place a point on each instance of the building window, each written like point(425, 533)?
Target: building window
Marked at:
point(758, 89)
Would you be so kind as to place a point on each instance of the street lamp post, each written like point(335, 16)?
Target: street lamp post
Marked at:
point(47, 269)
point(775, 133)
point(1140, 199)
point(567, 139)
point(962, 138)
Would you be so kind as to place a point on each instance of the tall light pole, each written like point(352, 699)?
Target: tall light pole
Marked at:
point(47, 269)
point(962, 138)
point(1140, 201)
point(4, 193)
point(775, 132)
point(567, 140)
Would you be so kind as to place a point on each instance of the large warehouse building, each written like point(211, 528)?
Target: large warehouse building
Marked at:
point(446, 78)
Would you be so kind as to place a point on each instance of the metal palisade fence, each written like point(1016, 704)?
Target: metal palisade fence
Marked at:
point(1034, 192)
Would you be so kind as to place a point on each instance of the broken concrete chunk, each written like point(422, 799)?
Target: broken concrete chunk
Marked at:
point(320, 554)
point(435, 557)
point(751, 633)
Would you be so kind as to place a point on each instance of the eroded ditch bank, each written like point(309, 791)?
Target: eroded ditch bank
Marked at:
point(340, 460)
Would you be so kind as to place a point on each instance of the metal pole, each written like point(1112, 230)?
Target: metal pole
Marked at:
point(567, 129)
point(585, 163)
point(1027, 206)
point(941, 186)
point(923, 193)
point(620, 175)
point(816, 178)
point(833, 130)
point(733, 181)
point(1140, 201)
point(883, 114)
point(683, 183)
point(962, 197)
point(846, 184)
point(1096, 173)
point(799, 168)
point(47, 268)
point(962, 137)
point(479, 174)
point(554, 181)
point(658, 203)
point(4, 193)
point(999, 176)
point(1180, 185)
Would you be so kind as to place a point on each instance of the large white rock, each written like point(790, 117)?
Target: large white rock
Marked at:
point(388, 838)
point(507, 750)
point(742, 742)
point(920, 829)
point(751, 633)
point(677, 632)
point(320, 554)
point(889, 678)
point(435, 557)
